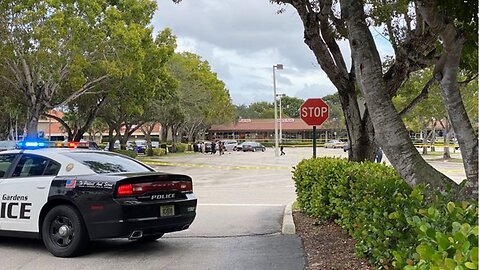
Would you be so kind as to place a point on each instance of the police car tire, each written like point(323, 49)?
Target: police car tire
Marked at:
point(79, 239)
point(150, 238)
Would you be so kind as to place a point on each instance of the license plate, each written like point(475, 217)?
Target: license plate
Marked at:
point(167, 210)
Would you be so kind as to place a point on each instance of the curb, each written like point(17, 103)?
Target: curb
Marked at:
point(288, 227)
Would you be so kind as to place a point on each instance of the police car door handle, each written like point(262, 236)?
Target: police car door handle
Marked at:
point(40, 187)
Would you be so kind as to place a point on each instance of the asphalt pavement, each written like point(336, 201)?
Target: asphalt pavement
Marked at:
point(241, 197)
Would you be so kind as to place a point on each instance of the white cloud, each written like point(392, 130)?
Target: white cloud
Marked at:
point(242, 40)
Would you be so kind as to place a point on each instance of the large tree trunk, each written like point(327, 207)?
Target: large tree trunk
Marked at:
point(359, 128)
point(164, 133)
point(446, 73)
point(446, 141)
point(390, 132)
point(32, 127)
point(32, 123)
point(320, 38)
point(111, 137)
point(147, 130)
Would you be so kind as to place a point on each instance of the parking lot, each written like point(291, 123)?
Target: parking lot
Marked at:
point(241, 200)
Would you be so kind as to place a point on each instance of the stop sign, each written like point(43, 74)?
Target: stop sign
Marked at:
point(314, 111)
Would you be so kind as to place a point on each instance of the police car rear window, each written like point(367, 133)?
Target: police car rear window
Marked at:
point(107, 162)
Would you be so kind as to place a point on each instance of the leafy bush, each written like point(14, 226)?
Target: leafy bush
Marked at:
point(159, 151)
point(393, 225)
point(149, 152)
point(129, 153)
point(181, 147)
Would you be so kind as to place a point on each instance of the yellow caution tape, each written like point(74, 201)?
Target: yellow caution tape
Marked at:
point(163, 163)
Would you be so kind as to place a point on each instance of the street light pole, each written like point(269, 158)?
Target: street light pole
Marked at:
point(279, 67)
point(280, 121)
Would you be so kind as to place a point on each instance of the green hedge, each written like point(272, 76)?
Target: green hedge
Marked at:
point(129, 153)
point(393, 225)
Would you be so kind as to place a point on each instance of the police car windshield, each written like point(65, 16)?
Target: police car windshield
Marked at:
point(107, 162)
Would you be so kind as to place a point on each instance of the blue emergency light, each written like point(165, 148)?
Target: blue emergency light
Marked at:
point(31, 144)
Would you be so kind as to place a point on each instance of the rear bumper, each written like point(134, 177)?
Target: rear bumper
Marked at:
point(145, 218)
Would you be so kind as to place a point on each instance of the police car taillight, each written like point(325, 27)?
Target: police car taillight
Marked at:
point(125, 190)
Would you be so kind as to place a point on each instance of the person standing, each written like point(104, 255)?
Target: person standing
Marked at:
point(203, 147)
point(379, 155)
point(281, 150)
point(213, 148)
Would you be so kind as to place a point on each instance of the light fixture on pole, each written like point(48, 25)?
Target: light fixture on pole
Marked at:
point(279, 67)
point(280, 121)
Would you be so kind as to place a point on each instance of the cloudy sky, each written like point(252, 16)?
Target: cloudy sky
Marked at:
point(242, 40)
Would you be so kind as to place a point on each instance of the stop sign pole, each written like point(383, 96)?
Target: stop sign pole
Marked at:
point(314, 111)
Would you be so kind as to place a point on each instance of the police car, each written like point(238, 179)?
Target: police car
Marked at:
point(68, 196)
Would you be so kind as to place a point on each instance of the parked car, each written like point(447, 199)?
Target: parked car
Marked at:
point(334, 144)
point(140, 146)
point(208, 146)
point(252, 146)
point(238, 147)
point(7, 145)
point(229, 144)
point(117, 146)
point(91, 145)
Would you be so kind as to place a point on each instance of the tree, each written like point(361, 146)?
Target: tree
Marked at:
point(335, 109)
point(130, 99)
point(390, 130)
point(428, 110)
point(256, 110)
point(80, 115)
point(291, 106)
point(203, 99)
point(457, 27)
point(12, 113)
point(56, 51)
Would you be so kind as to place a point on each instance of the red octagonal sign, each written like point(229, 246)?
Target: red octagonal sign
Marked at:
point(314, 111)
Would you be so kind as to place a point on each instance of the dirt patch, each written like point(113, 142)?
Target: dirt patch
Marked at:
point(327, 246)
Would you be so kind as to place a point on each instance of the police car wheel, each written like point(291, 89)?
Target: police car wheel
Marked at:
point(63, 232)
point(150, 238)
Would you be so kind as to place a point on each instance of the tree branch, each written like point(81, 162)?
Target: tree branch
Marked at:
point(423, 95)
point(84, 89)
point(62, 122)
point(468, 80)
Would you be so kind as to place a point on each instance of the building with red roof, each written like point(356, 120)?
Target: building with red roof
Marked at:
point(264, 129)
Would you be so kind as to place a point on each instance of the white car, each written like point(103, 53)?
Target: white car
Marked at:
point(68, 196)
point(229, 144)
point(334, 144)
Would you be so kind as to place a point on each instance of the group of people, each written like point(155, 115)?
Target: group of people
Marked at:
point(211, 147)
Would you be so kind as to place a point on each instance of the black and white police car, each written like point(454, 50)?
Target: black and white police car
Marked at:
point(69, 196)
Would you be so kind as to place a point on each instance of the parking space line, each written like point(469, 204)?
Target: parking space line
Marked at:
point(241, 204)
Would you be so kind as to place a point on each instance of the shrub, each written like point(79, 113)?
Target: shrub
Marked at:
point(149, 152)
point(159, 151)
point(393, 225)
point(181, 147)
point(129, 153)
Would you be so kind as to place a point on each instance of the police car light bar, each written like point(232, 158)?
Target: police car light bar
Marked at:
point(31, 144)
point(47, 144)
